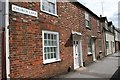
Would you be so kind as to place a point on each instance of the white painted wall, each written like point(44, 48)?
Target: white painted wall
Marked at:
point(109, 38)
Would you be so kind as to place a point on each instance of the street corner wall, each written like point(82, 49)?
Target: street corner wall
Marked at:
point(26, 56)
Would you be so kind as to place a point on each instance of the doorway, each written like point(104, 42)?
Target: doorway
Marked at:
point(77, 50)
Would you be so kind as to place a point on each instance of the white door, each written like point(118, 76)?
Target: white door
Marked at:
point(93, 50)
point(76, 45)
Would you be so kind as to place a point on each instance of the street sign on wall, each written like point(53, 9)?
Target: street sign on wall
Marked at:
point(24, 11)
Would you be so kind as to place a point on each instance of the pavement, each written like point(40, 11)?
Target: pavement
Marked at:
point(102, 69)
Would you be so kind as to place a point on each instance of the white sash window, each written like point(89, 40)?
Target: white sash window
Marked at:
point(49, 6)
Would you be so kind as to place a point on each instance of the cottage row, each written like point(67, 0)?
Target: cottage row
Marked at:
point(48, 38)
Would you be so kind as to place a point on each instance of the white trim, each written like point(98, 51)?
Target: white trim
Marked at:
point(89, 53)
point(100, 51)
point(58, 52)
point(76, 33)
point(81, 54)
point(93, 50)
point(7, 38)
point(51, 61)
point(94, 36)
point(48, 11)
point(88, 27)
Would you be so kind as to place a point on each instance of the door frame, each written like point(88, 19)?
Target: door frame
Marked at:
point(80, 54)
point(111, 47)
point(94, 46)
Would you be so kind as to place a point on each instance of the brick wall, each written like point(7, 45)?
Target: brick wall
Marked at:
point(26, 57)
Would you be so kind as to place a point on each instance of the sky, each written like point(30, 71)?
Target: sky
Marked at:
point(108, 8)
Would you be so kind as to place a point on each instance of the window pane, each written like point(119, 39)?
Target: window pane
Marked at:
point(45, 42)
point(87, 23)
point(54, 49)
point(45, 5)
point(52, 7)
point(89, 44)
point(54, 43)
point(46, 57)
point(54, 55)
point(86, 16)
point(48, 5)
point(48, 36)
point(45, 50)
point(51, 43)
point(107, 44)
point(55, 37)
point(45, 36)
point(50, 49)
point(52, 37)
point(48, 43)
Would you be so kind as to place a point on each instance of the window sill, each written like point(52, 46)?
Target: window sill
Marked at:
point(89, 53)
point(88, 27)
point(99, 32)
point(100, 52)
point(49, 13)
point(51, 61)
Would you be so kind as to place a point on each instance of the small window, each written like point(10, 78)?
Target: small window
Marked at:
point(49, 6)
point(98, 24)
point(89, 44)
point(87, 20)
point(107, 45)
point(50, 46)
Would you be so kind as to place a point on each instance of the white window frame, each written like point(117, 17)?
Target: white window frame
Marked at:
point(87, 18)
point(48, 11)
point(100, 44)
point(57, 53)
point(107, 44)
point(98, 24)
point(89, 46)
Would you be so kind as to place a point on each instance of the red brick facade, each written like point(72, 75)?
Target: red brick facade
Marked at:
point(26, 56)
point(117, 46)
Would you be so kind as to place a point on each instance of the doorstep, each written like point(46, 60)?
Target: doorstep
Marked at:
point(82, 69)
